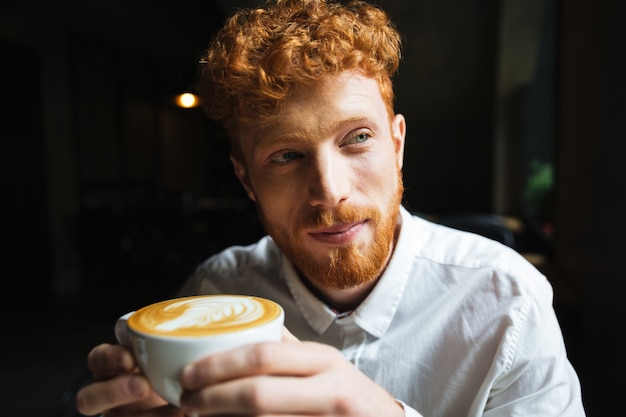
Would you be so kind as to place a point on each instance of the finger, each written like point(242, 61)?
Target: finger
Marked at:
point(292, 359)
point(108, 360)
point(162, 411)
point(105, 395)
point(288, 336)
point(260, 396)
point(339, 390)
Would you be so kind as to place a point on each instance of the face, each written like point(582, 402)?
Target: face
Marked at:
point(327, 179)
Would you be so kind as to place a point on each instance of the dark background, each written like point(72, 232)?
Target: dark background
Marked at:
point(110, 194)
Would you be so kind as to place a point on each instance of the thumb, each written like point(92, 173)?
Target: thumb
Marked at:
point(288, 337)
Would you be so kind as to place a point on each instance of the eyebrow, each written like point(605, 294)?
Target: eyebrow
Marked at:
point(306, 135)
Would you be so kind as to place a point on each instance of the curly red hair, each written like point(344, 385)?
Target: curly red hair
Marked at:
point(261, 55)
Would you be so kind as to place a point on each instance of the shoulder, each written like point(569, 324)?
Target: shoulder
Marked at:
point(488, 287)
point(259, 254)
point(463, 257)
point(237, 268)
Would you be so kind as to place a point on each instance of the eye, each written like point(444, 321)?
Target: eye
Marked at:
point(282, 157)
point(359, 137)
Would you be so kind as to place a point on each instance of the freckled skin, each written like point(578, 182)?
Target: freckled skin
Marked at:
point(335, 146)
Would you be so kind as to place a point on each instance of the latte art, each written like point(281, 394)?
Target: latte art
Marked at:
point(204, 312)
point(203, 315)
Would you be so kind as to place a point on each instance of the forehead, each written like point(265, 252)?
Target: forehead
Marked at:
point(315, 111)
point(332, 101)
point(344, 90)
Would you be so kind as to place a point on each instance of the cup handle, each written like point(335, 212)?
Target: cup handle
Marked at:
point(121, 329)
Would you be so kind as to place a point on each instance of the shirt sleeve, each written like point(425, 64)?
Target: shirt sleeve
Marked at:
point(535, 377)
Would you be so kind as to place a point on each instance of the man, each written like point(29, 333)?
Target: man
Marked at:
point(391, 315)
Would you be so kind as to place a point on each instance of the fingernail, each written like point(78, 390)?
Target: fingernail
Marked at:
point(138, 386)
point(188, 376)
point(125, 362)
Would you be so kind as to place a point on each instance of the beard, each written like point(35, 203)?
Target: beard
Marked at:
point(346, 266)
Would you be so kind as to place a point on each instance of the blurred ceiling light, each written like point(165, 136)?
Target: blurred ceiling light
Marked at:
point(187, 100)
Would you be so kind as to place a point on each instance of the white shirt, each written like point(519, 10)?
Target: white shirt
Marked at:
point(458, 325)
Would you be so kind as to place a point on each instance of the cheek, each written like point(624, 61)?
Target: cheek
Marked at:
point(275, 202)
point(272, 193)
point(379, 174)
point(281, 191)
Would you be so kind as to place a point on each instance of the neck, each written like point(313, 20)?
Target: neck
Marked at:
point(341, 300)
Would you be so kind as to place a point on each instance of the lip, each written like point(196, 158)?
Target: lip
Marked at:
point(338, 234)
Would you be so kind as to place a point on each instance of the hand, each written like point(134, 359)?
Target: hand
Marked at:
point(286, 378)
point(119, 389)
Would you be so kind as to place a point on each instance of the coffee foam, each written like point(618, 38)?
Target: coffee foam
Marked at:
point(204, 315)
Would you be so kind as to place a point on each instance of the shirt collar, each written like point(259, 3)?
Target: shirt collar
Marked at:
point(315, 312)
point(376, 312)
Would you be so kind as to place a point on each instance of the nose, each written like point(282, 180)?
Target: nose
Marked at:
point(330, 180)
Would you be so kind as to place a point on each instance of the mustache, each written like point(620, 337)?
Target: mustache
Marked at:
point(341, 214)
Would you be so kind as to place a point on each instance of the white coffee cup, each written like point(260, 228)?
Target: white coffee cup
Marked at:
point(170, 334)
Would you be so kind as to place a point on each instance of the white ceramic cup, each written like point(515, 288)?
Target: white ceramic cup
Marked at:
point(168, 335)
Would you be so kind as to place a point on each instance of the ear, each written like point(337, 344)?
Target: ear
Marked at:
point(398, 133)
point(242, 174)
